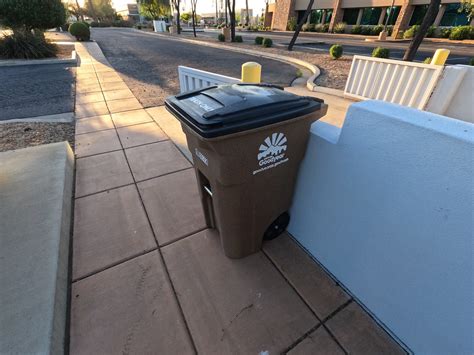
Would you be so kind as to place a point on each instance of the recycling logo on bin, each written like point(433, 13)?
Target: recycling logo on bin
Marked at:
point(272, 152)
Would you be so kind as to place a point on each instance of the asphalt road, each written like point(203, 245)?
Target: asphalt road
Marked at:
point(149, 64)
point(460, 53)
point(36, 90)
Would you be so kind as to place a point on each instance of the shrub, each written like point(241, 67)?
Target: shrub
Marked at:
point(336, 51)
point(238, 39)
point(26, 45)
point(121, 23)
point(86, 23)
point(366, 30)
point(445, 32)
point(461, 32)
point(267, 42)
point(32, 14)
point(306, 27)
point(94, 24)
point(325, 28)
point(291, 26)
point(340, 27)
point(356, 30)
point(221, 37)
point(319, 28)
point(471, 61)
point(375, 30)
point(411, 32)
point(427, 60)
point(431, 32)
point(259, 40)
point(380, 52)
point(80, 31)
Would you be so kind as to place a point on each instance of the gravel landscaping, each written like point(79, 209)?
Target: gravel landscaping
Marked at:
point(22, 135)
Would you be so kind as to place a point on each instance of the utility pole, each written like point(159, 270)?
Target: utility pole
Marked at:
point(389, 16)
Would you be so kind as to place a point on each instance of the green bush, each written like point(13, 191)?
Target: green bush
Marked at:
point(221, 37)
point(356, 30)
point(267, 42)
point(340, 27)
point(259, 40)
point(471, 61)
point(375, 30)
point(427, 60)
point(445, 32)
point(308, 27)
point(431, 32)
point(86, 23)
point(32, 14)
point(380, 52)
point(336, 51)
point(291, 26)
point(26, 45)
point(80, 31)
point(238, 39)
point(411, 32)
point(461, 32)
point(366, 30)
point(321, 28)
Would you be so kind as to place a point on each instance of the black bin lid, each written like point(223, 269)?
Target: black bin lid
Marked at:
point(225, 109)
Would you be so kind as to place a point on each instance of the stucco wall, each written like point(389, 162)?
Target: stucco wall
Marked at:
point(385, 204)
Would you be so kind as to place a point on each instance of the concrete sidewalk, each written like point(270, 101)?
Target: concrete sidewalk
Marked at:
point(149, 277)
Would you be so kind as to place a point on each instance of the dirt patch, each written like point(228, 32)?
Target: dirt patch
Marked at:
point(22, 135)
point(65, 51)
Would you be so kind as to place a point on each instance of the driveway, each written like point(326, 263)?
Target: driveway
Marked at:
point(149, 64)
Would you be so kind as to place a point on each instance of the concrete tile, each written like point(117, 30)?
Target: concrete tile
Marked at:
point(155, 159)
point(144, 133)
point(172, 127)
point(96, 143)
point(359, 334)
point(234, 306)
point(91, 109)
point(128, 309)
point(93, 124)
point(109, 227)
point(318, 342)
point(131, 117)
point(101, 172)
point(321, 293)
point(85, 98)
point(89, 79)
point(108, 77)
point(85, 76)
point(84, 88)
point(173, 205)
point(123, 105)
point(118, 85)
point(118, 94)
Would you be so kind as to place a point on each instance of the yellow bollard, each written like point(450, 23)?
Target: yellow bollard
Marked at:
point(440, 56)
point(251, 73)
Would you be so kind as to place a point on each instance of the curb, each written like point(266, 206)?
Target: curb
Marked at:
point(15, 63)
point(310, 83)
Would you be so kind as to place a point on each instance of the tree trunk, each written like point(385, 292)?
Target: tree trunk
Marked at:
point(178, 24)
point(428, 20)
point(231, 6)
point(302, 22)
point(247, 20)
point(193, 13)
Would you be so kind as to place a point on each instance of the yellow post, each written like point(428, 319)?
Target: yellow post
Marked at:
point(440, 56)
point(251, 73)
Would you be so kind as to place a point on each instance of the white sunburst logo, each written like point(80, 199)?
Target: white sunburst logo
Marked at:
point(274, 145)
point(272, 152)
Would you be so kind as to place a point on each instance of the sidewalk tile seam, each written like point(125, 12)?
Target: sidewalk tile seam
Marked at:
point(99, 130)
point(302, 338)
point(102, 191)
point(91, 155)
point(125, 260)
point(183, 237)
point(165, 174)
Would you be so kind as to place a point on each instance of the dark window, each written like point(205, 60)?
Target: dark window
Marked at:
point(393, 18)
point(371, 16)
point(328, 16)
point(418, 14)
point(316, 16)
point(350, 16)
point(452, 17)
point(300, 16)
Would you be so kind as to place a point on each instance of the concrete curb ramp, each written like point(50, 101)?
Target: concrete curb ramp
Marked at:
point(35, 220)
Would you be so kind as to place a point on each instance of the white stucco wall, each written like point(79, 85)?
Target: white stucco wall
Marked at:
point(386, 205)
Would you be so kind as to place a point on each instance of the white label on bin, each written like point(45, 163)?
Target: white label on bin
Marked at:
point(201, 156)
point(272, 152)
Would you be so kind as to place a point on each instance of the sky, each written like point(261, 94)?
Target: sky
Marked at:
point(204, 6)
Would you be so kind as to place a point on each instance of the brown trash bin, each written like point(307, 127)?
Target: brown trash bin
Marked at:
point(247, 143)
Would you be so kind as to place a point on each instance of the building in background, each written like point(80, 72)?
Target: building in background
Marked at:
point(130, 12)
point(363, 12)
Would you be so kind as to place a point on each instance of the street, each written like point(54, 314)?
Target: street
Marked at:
point(460, 53)
point(149, 64)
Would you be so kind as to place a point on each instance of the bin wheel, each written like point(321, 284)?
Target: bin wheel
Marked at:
point(277, 227)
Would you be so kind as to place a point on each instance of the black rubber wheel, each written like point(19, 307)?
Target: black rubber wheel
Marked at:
point(277, 227)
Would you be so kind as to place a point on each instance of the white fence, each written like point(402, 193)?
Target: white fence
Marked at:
point(194, 79)
point(404, 83)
